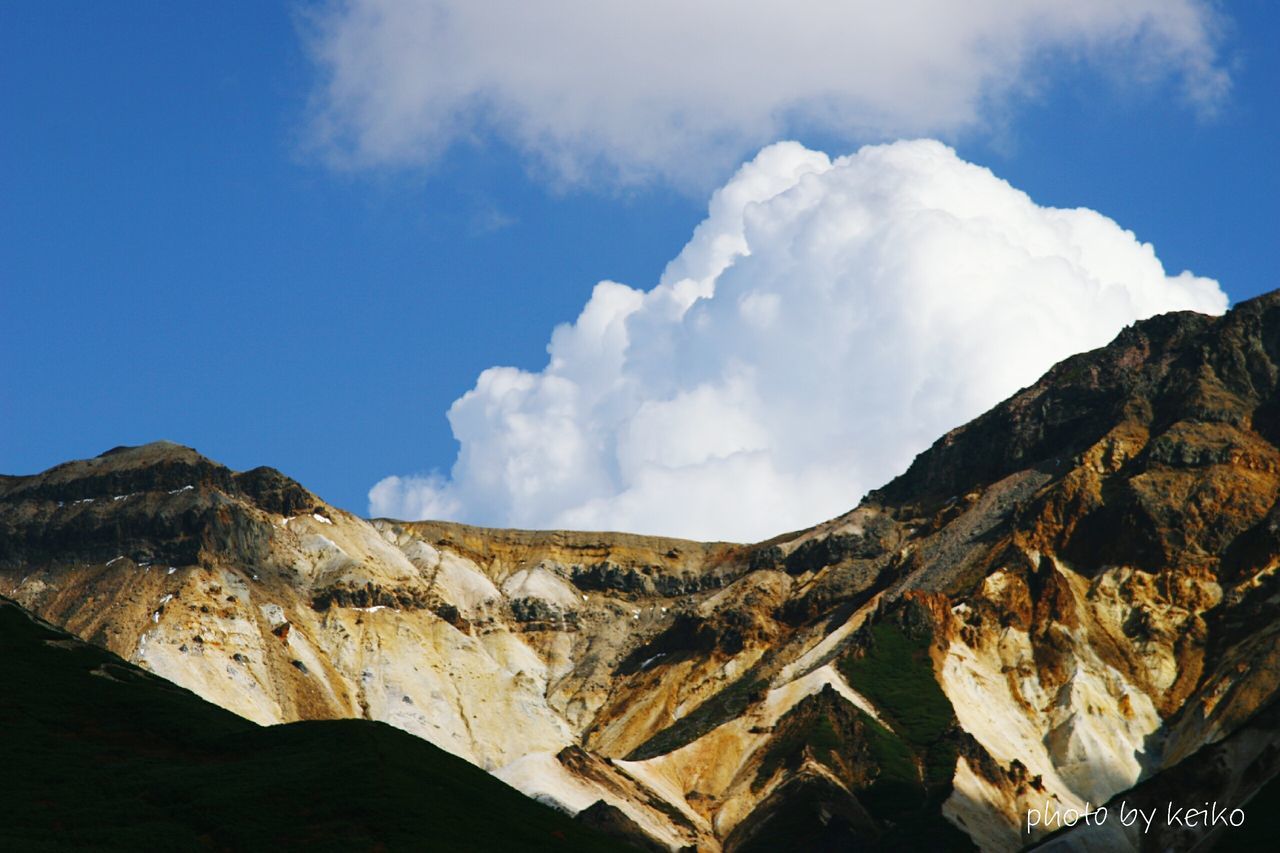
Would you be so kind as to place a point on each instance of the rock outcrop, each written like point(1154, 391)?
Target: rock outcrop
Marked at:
point(1066, 598)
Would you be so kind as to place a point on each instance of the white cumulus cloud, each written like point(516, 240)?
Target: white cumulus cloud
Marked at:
point(827, 321)
point(679, 88)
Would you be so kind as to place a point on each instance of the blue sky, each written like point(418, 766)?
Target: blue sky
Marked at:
point(178, 261)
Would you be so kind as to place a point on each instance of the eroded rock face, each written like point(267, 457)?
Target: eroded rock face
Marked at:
point(1058, 601)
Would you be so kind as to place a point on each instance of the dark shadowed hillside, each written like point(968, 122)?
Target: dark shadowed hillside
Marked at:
point(98, 754)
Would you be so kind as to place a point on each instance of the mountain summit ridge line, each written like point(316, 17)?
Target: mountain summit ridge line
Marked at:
point(1068, 596)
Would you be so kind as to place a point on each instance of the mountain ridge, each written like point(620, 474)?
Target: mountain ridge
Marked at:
point(1078, 583)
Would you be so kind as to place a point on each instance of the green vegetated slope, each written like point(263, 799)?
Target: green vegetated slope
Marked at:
point(835, 778)
point(896, 674)
point(98, 754)
point(917, 759)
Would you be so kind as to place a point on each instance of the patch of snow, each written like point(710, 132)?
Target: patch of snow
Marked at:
point(115, 559)
point(320, 518)
point(183, 489)
point(172, 569)
point(83, 501)
point(167, 599)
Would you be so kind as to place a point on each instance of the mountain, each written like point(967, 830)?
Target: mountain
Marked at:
point(99, 754)
point(1068, 599)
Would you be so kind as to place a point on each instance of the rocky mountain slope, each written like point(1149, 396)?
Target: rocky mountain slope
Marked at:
point(99, 754)
point(1068, 596)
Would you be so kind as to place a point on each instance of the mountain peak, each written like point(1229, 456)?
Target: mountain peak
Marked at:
point(151, 448)
point(1071, 593)
point(158, 466)
point(1167, 368)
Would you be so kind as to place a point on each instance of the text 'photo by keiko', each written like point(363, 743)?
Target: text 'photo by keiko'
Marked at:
point(1052, 816)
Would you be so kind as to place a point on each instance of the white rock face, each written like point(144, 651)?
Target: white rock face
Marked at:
point(540, 583)
point(1083, 739)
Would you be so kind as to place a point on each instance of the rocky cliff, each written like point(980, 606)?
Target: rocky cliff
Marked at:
point(1069, 596)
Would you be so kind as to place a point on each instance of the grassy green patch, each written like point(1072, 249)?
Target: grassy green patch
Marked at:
point(828, 743)
point(897, 675)
point(893, 757)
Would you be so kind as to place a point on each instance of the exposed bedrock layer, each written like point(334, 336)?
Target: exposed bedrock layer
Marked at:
point(1073, 595)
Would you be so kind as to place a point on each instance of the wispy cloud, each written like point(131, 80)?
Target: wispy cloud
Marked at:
point(682, 90)
point(488, 218)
